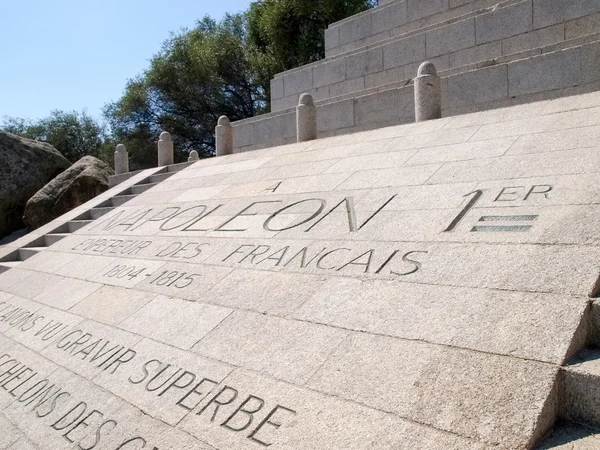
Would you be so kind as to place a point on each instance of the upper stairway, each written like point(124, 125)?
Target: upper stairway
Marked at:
point(489, 54)
point(386, 44)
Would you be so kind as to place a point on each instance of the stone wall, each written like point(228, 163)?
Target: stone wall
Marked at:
point(535, 77)
point(502, 31)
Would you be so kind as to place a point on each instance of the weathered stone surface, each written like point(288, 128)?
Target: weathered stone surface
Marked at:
point(422, 286)
point(26, 167)
point(81, 182)
point(415, 381)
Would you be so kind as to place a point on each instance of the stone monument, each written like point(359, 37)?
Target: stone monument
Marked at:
point(428, 285)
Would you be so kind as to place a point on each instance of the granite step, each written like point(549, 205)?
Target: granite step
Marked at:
point(75, 225)
point(581, 388)
point(178, 167)
point(53, 238)
point(28, 252)
point(394, 19)
point(7, 265)
point(531, 76)
point(117, 179)
point(366, 61)
point(398, 58)
point(571, 437)
point(160, 177)
point(139, 188)
point(96, 213)
point(119, 200)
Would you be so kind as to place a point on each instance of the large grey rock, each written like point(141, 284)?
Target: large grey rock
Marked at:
point(84, 180)
point(25, 167)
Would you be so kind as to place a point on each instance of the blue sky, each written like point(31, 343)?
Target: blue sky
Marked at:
point(76, 54)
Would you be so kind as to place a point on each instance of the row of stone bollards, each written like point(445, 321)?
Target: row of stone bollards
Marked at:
point(428, 105)
point(165, 154)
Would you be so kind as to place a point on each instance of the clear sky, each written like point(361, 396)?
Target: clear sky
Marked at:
point(76, 54)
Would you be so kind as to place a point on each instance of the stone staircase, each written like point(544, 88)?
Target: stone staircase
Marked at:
point(489, 54)
point(579, 394)
point(31, 245)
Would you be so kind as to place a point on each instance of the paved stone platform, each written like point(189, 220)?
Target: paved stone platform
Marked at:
point(416, 287)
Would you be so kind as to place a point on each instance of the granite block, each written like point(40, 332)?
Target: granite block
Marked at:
point(504, 22)
point(450, 38)
point(174, 321)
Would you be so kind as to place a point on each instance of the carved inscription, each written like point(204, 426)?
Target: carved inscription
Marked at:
point(340, 259)
point(192, 218)
point(351, 261)
point(506, 194)
point(213, 399)
point(87, 427)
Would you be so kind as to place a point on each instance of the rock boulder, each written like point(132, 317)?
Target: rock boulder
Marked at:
point(83, 181)
point(25, 167)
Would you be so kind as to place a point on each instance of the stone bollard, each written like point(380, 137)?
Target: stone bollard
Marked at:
point(224, 136)
point(121, 160)
point(193, 156)
point(165, 150)
point(306, 119)
point(428, 96)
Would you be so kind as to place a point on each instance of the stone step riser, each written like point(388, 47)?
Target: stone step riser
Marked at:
point(580, 397)
point(160, 177)
point(75, 225)
point(51, 239)
point(96, 213)
point(550, 75)
point(121, 200)
point(26, 253)
point(451, 47)
point(178, 167)
point(136, 190)
point(4, 266)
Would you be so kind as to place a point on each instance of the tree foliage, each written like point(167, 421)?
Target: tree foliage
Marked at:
point(74, 134)
point(289, 33)
point(198, 75)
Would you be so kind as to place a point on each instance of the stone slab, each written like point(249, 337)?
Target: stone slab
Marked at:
point(413, 380)
point(465, 318)
point(416, 286)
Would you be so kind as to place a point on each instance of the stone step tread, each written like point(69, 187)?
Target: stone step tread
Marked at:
point(483, 64)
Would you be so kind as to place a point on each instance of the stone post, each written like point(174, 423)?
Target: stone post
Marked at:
point(428, 96)
point(165, 150)
point(306, 119)
point(224, 136)
point(121, 160)
point(193, 156)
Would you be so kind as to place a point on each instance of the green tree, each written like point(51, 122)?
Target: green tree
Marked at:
point(219, 68)
point(284, 34)
point(198, 75)
point(74, 134)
